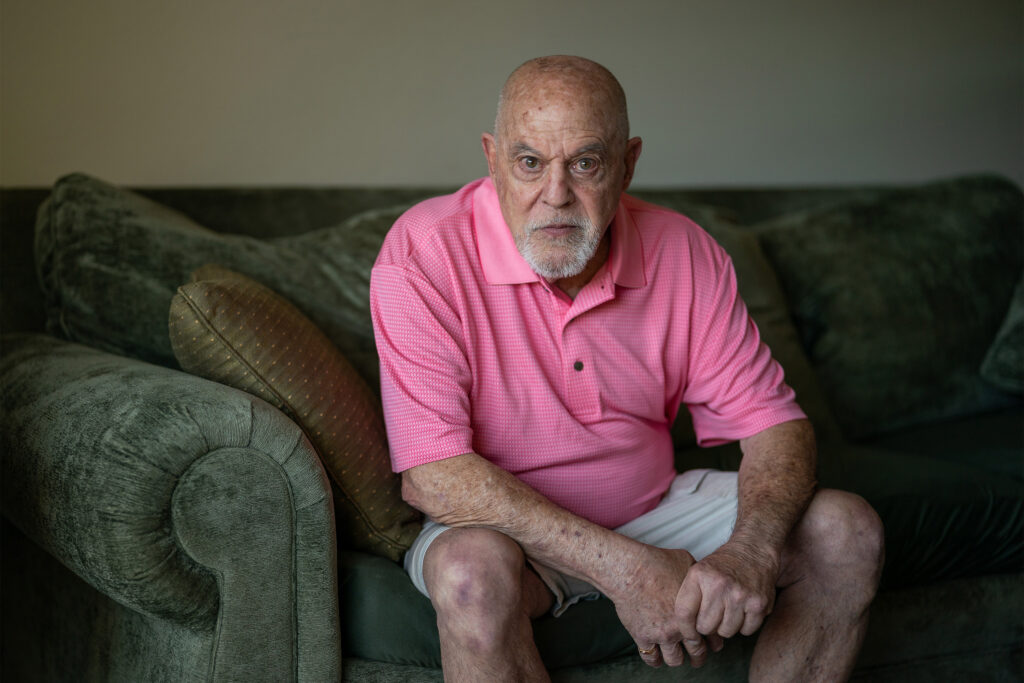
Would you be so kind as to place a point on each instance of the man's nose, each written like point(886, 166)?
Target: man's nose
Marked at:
point(557, 187)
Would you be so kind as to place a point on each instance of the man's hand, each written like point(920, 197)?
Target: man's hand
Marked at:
point(730, 591)
point(648, 611)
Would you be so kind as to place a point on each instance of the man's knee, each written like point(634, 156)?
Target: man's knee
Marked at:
point(842, 535)
point(473, 571)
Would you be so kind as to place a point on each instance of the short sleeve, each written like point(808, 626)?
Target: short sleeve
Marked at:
point(425, 375)
point(734, 388)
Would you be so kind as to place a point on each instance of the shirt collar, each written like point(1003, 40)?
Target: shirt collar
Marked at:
point(504, 265)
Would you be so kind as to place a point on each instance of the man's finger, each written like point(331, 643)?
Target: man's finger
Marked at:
point(756, 611)
point(751, 622)
point(688, 607)
point(715, 642)
point(713, 611)
point(650, 654)
point(698, 650)
point(672, 653)
point(732, 621)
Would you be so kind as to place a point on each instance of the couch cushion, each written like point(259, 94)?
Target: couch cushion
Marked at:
point(943, 518)
point(109, 261)
point(898, 296)
point(231, 329)
point(993, 442)
point(1003, 365)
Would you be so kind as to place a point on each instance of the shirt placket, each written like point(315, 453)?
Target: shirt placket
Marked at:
point(579, 372)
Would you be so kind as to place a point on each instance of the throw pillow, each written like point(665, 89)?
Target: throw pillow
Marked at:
point(1004, 363)
point(109, 261)
point(233, 330)
point(898, 296)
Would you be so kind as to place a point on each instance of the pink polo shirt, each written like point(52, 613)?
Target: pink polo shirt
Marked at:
point(574, 397)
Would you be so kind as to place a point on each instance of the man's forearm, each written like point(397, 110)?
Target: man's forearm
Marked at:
point(469, 491)
point(776, 483)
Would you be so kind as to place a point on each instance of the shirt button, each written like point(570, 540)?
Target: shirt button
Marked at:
point(577, 366)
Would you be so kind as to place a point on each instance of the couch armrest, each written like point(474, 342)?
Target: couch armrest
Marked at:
point(183, 499)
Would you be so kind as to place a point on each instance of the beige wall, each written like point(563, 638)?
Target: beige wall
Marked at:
point(212, 92)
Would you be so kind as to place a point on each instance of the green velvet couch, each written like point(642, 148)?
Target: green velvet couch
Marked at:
point(159, 526)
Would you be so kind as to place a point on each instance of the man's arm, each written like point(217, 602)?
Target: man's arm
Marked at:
point(733, 589)
point(642, 581)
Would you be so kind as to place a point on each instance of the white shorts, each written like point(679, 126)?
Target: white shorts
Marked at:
point(697, 514)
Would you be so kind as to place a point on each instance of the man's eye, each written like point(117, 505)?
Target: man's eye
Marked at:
point(586, 164)
point(530, 163)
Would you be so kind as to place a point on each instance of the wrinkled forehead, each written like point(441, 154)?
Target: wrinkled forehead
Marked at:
point(552, 102)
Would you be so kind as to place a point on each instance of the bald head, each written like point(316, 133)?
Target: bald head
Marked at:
point(562, 78)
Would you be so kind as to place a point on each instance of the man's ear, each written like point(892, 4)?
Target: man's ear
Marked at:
point(490, 151)
point(633, 147)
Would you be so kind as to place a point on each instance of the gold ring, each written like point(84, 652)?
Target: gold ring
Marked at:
point(651, 651)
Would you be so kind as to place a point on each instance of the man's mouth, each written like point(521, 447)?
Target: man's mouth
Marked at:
point(558, 229)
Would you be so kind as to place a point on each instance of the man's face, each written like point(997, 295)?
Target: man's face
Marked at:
point(559, 167)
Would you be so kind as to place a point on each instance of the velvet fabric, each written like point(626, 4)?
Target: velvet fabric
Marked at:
point(110, 260)
point(59, 628)
point(898, 296)
point(1003, 365)
point(992, 443)
point(202, 510)
point(943, 519)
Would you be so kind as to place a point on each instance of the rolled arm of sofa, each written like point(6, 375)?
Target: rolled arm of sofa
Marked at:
point(180, 498)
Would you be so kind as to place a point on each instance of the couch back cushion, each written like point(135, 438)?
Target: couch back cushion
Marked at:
point(110, 260)
point(1004, 363)
point(898, 296)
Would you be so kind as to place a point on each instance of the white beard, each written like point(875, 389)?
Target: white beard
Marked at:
point(571, 254)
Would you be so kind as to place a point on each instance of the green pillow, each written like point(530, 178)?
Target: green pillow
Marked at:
point(897, 297)
point(233, 330)
point(1004, 363)
point(109, 261)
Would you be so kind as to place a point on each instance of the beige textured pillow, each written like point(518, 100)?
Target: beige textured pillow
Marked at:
point(231, 329)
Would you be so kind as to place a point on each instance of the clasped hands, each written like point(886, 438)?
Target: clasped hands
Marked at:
point(679, 604)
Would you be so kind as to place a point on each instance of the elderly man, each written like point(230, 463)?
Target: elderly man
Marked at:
point(538, 332)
